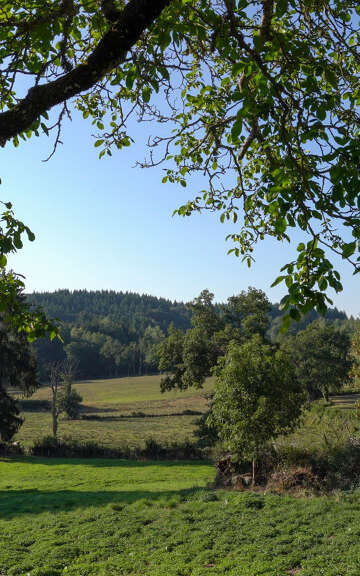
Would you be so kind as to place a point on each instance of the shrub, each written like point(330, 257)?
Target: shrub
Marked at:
point(30, 405)
point(70, 448)
point(69, 403)
point(11, 449)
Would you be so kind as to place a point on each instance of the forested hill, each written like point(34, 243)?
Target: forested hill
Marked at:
point(111, 334)
point(134, 310)
point(108, 333)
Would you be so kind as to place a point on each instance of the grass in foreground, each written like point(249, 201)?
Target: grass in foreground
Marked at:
point(107, 518)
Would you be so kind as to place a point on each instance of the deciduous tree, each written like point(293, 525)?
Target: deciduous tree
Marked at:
point(321, 356)
point(355, 356)
point(18, 373)
point(261, 96)
point(257, 397)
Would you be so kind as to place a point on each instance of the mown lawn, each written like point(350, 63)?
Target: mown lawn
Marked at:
point(114, 407)
point(107, 518)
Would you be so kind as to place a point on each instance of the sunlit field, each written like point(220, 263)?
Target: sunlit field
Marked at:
point(122, 411)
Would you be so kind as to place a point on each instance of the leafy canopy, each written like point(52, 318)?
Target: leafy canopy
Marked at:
point(257, 397)
point(321, 356)
point(17, 372)
point(189, 358)
point(260, 96)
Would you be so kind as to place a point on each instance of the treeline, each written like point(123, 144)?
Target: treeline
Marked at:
point(113, 334)
point(107, 334)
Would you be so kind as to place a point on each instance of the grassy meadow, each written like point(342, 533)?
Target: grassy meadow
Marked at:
point(111, 410)
point(107, 518)
point(100, 517)
point(127, 411)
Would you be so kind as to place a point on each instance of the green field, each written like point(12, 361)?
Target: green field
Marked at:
point(107, 518)
point(111, 410)
point(113, 407)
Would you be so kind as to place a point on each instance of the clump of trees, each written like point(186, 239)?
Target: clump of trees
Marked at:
point(188, 358)
point(321, 358)
point(112, 334)
point(64, 399)
point(262, 386)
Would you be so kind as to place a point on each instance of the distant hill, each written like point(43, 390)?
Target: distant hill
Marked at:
point(108, 333)
point(113, 334)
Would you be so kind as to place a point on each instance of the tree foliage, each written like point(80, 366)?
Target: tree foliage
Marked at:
point(16, 313)
point(321, 356)
point(257, 397)
point(188, 359)
point(355, 356)
point(107, 334)
point(18, 372)
point(261, 96)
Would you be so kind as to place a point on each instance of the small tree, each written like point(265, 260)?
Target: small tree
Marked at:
point(170, 354)
point(69, 399)
point(69, 403)
point(257, 397)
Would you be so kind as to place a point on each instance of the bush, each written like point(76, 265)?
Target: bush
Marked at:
point(291, 469)
point(30, 405)
point(69, 403)
point(11, 449)
point(153, 450)
point(70, 448)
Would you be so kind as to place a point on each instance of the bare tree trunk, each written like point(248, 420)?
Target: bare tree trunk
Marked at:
point(54, 413)
point(253, 473)
point(55, 375)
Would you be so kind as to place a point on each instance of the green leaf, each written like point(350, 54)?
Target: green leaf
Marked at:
point(278, 280)
point(146, 94)
point(236, 129)
point(348, 249)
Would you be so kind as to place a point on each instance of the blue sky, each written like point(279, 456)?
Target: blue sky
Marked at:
point(103, 224)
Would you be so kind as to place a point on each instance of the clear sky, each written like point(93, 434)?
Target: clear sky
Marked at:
point(103, 224)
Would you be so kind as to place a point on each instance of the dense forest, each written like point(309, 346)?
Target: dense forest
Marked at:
point(107, 333)
point(110, 334)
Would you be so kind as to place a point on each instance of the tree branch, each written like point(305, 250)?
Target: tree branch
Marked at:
point(136, 17)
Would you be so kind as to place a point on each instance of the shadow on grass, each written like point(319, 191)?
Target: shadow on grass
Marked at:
point(138, 415)
point(102, 462)
point(14, 503)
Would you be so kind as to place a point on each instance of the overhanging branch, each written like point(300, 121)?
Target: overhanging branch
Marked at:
point(136, 17)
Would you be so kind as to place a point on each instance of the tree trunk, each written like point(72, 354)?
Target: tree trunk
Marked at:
point(54, 414)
